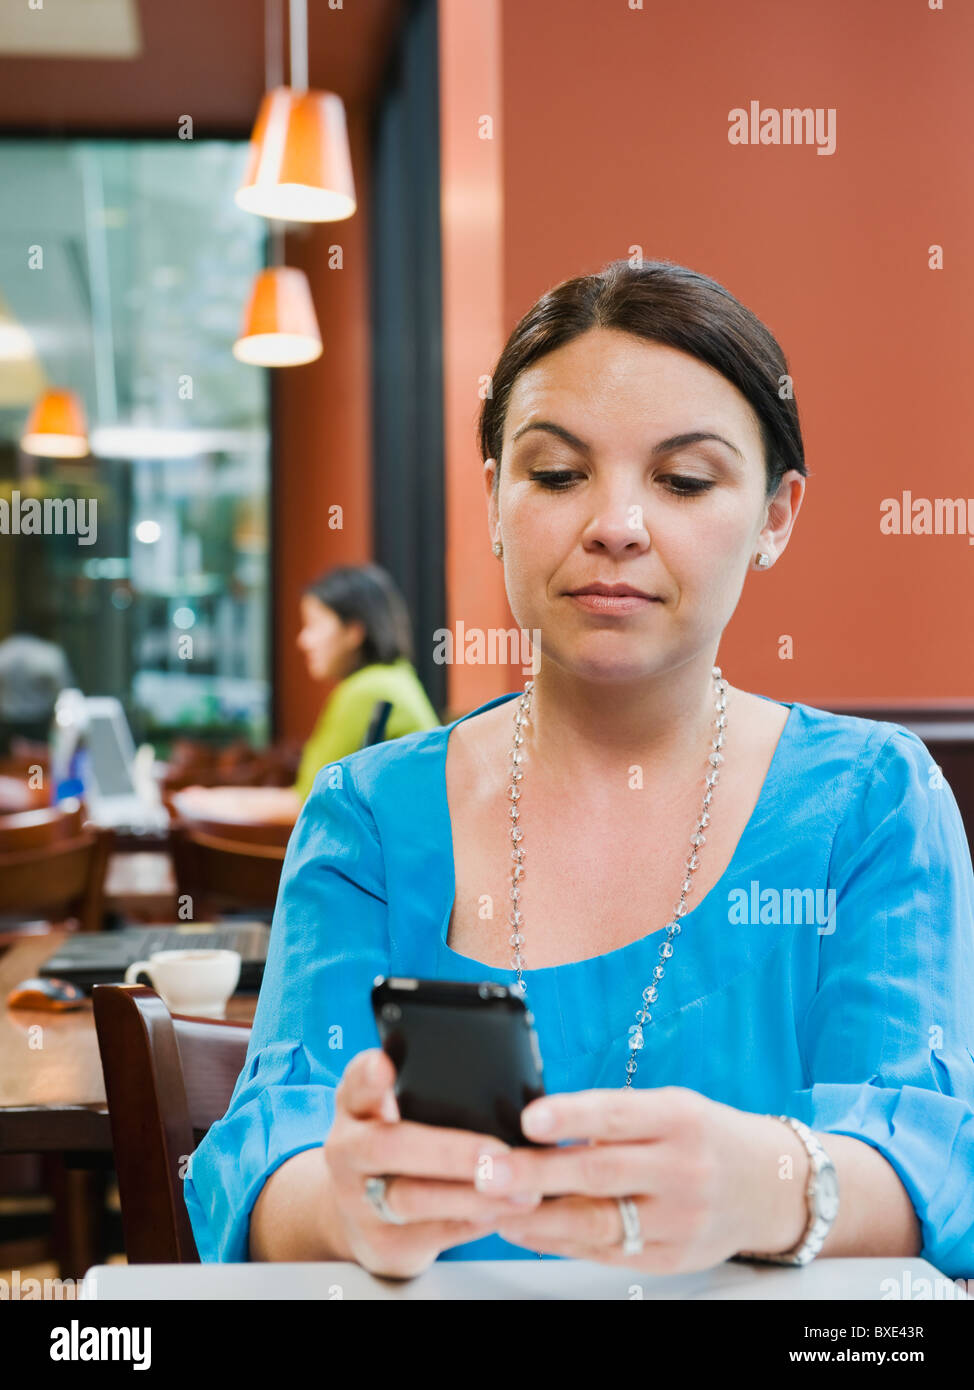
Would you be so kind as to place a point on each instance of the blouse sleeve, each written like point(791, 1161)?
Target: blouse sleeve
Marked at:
point(887, 1039)
point(328, 941)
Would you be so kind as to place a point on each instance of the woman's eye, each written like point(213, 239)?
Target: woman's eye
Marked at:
point(555, 478)
point(680, 485)
point(687, 487)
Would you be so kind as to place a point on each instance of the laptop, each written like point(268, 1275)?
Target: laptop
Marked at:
point(118, 788)
point(102, 958)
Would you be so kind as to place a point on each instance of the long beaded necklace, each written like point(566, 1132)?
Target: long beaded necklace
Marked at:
point(673, 929)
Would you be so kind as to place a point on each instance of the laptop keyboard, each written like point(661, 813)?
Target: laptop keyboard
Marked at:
point(249, 941)
point(98, 952)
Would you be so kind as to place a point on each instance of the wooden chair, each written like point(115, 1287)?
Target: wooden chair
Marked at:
point(52, 869)
point(42, 826)
point(250, 832)
point(376, 731)
point(168, 1077)
point(221, 875)
point(195, 764)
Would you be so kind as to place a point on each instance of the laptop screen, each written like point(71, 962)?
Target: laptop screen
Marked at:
point(109, 766)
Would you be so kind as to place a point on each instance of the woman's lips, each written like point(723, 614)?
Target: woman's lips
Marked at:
point(612, 603)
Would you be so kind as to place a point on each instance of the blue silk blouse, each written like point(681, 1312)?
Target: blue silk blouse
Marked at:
point(828, 975)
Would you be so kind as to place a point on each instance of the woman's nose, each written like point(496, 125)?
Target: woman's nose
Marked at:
point(619, 527)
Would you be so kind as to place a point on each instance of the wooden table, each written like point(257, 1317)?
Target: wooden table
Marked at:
point(52, 1097)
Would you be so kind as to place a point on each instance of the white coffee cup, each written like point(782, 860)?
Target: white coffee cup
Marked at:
point(191, 981)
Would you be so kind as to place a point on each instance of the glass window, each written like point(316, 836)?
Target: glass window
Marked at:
point(124, 269)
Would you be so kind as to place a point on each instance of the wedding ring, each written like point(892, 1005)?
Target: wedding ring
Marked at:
point(375, 1195)
point(632, 1236)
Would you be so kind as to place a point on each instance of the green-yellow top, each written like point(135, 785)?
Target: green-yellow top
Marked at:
point(345, 717)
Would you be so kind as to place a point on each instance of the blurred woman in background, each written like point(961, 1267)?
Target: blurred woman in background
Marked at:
point(355, 629)
point(355, 626)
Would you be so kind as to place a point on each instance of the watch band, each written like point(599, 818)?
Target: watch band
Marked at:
point(822, 1195)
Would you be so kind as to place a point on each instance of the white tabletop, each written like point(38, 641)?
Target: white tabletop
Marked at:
point(522, 1279)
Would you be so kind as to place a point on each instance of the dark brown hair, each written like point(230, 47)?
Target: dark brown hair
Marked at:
point(664, 303)
point(368, 594)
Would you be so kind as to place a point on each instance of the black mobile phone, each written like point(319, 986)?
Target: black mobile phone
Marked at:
point(466, 1055)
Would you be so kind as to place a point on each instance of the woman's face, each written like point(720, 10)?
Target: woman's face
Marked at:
point(597, 486)
point(326, 641)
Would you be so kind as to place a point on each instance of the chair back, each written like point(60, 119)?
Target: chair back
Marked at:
point(222, 875)
point(196, 764)
point(251, 832)
point(376, 730)
point(51, 869)
point(168, 1077)
point(45, 826)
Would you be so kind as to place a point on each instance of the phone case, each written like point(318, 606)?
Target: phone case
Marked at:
point(466, 1055)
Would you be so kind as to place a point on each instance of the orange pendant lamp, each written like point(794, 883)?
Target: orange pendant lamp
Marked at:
point(299, 168)
point(280, 328)
point(56, 427)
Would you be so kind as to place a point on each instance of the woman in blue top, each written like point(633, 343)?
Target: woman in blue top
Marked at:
point(635, 436)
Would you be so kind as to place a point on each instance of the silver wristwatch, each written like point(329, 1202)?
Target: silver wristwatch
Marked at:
point(822, 1194)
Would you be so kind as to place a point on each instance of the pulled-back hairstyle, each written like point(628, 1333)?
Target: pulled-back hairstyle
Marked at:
point(368, 593)
point(663, 303)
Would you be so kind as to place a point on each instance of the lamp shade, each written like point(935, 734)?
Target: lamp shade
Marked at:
point(279, 326)
point(56, 427)
point(299, 168)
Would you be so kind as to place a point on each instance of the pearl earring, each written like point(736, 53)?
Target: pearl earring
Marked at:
point(763, 560)
point(498, 548)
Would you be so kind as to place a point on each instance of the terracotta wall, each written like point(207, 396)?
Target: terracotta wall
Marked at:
point(473, 240)
point(613, 131)
point(322, 445)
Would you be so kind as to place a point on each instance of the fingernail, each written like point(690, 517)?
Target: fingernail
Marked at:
point(525, 1199)
point(492, 1176)
point(538, 1119)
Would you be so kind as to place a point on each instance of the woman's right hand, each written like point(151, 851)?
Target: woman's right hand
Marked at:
point(429, 1174)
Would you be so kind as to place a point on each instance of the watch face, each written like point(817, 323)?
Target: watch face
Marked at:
point(827, 1196)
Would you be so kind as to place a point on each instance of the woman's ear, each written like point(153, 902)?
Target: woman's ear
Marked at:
point(356, 632)
point(782, 512)
point(493, 518)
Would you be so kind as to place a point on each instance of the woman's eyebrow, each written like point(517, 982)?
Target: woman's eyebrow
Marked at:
point(665, 446)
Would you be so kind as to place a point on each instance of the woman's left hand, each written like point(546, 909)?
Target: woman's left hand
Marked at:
point(704, 1178)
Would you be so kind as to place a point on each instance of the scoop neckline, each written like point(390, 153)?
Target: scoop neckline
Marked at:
point(771, 777)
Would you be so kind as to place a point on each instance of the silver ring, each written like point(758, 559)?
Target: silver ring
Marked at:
point(375, 1195)
point(632, 1235)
